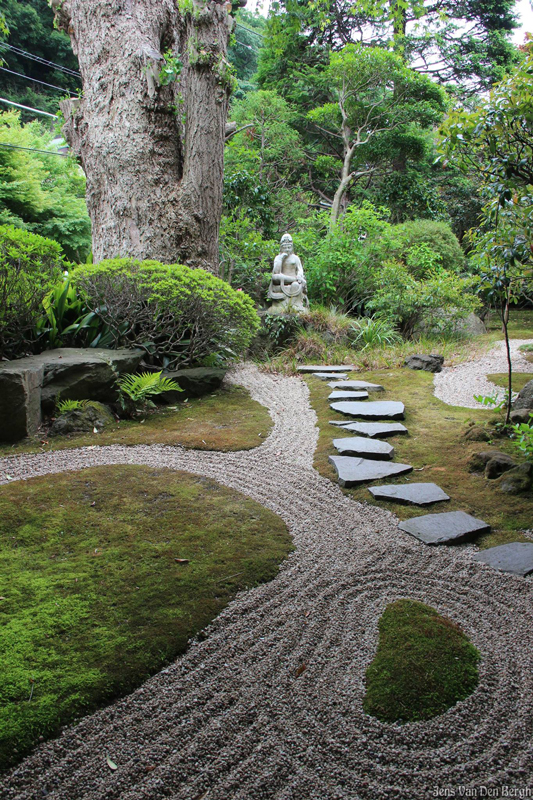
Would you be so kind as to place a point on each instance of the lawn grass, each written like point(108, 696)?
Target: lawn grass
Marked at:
point(226, 420)
point(519, 379)
point(423, 666)
point(435, 446)
point(93, 598)
point(520, 324)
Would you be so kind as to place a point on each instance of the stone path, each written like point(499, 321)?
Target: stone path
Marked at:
point(268, 706)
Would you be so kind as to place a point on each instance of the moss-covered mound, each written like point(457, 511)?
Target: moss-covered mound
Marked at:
point(424, 665)
point(519, 379)
point(104, 576)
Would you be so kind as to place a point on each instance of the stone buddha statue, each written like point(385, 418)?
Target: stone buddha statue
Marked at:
point(288, 287)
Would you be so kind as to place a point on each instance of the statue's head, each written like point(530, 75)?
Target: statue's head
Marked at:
point(286, 245)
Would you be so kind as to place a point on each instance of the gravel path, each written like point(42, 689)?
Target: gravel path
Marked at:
point(457, 386)
point(230, 720)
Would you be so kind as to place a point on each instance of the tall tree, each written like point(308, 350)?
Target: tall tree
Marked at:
point(149, 128)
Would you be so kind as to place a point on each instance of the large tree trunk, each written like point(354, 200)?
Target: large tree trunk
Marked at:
point(152, 153)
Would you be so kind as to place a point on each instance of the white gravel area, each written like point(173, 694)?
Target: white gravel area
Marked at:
point(457, 386)
point(231, 720)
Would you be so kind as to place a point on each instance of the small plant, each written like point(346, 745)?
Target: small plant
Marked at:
point(523, 438)
point(373, 332)
point(63, 406)
point(491, 401)
point(136, 391)
point(171, 69)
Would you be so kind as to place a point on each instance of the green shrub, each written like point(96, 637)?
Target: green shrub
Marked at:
point(373, 332)
point(439, 240)
point(30, 265)
point(67, 322)
point(178, 315)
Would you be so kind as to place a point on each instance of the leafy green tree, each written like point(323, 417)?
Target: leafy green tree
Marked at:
point(377, 111)
point(41, 193)
point(244, 52)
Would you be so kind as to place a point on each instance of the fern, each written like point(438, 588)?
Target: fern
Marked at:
point(63, 406)
point(136, 390)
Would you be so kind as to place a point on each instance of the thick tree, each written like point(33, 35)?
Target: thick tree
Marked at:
point(149, 128)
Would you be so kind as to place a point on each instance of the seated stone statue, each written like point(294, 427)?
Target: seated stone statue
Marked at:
point(288, 287)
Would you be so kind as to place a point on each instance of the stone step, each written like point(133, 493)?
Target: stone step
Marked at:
point(366, 448)
point(325, 368)
point(450, 527)
point(418, 494)
point(516, 557)
point(327, 376)
point(372, 429)
point(353, 471)
point(380, 409)
point(355, 385)
point(348, 396)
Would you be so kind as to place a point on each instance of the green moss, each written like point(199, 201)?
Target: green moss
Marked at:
point(519, 379)
point(424, 665)
point(93, 598)
point(520, 323)
point(227, 420)
point(436, 447)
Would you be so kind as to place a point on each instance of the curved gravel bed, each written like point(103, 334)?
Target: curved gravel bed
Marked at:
point(236, 718)
point(457, 386)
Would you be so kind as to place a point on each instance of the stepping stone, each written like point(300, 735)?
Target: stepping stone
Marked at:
point(352, 471)
point(321, 369)
point(348, 396)
point(381, 409)
point(451, 527)
point(355, 385)
point(371, 429)
point(516, 557)
point(418, 494)
point(367, 448)
point(327, 376)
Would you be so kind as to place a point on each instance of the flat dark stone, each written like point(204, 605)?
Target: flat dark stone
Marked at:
point(366, 448)
point(380, 409)
point(418, 494)
point(352, 471)
point(371, 429)
point(356, 385)
point(327, 376)
point(320, 368)
point(516, 557)
point(348, 396)
point(450, 527)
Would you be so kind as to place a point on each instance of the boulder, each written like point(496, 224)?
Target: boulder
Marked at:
point(92, 416)
point(517, 480)
point(479, 433)
point(525, 397)
point(20, 399)
point(429, 363)
point(519, 415)
point(492, 462)
point(195, 382)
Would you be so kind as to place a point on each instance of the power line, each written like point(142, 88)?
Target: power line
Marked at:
point(250, 30)
point(27, 78)
point(18, 51)
point(27, 108)
point(33, 150)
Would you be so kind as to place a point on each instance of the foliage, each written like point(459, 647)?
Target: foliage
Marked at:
point(30, 265)
point(244, 50)
point(424, 238)
point(63, 406)
point(171, 69)
point(44, 194)
point(523, 438)
point(424, 664)
point(373, 332)
point(245, 256)
point(97, 599)
point(67, 322)
point(136, 391)
point(178, 315)
point(281, 328)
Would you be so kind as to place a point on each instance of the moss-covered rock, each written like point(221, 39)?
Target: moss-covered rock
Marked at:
point(89, 417)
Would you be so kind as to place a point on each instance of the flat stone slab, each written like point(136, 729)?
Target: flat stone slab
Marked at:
point(327, 376)
point(355, 385)
point(380, 409)
point(353, 471)
point(366, 448)
point(516, 557)
point(372, 429)
point(418, 494)
point(328, 368)
point(348, 396)
point(450, 527)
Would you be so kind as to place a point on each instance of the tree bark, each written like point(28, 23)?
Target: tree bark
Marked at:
point(152, 153)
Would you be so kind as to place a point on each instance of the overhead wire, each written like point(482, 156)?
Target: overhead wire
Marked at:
point(34, 150)
point(27, 108)
point(50, 85)
point(18, 51)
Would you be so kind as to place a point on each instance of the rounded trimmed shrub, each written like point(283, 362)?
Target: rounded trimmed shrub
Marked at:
point(438, 237)
point(30, 266)
point(178, 315)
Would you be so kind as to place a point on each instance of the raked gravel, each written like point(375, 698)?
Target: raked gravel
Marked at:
point(237, 717)
point(457, 386)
